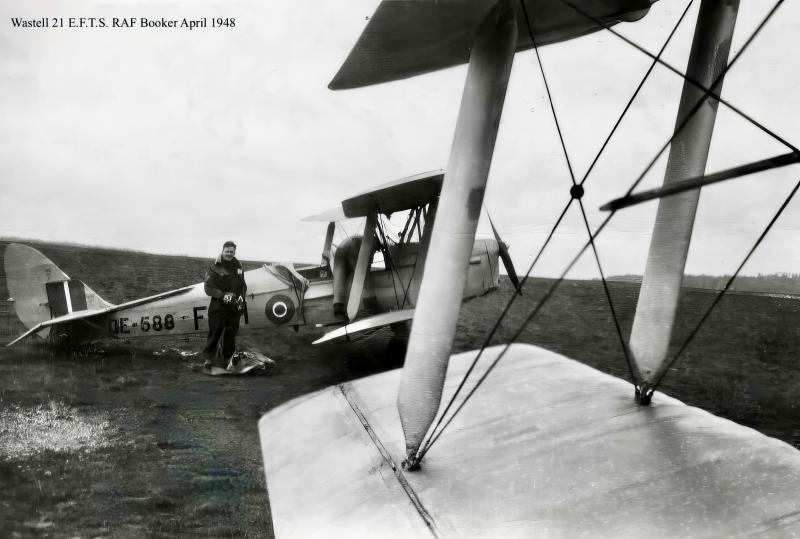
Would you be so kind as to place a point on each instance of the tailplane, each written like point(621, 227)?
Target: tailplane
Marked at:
point(41, 291)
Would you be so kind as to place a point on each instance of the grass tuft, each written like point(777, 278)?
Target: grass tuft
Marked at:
point(50, 427)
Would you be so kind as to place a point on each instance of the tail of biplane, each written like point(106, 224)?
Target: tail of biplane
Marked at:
point(41, 291)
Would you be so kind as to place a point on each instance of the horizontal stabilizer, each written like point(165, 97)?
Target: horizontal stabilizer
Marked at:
point(366, 324)
point(90, 313)
point(71, 317)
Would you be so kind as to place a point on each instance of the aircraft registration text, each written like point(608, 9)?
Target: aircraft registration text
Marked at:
point(157, 323)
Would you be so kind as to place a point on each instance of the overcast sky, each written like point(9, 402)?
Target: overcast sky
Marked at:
point(172, 141)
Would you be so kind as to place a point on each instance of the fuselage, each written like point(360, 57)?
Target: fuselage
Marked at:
point(274, 299)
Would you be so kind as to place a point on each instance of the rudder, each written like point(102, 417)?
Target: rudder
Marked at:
point(40, 289)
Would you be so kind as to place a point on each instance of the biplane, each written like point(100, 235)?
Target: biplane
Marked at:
point(383, 287)
point(529, 443)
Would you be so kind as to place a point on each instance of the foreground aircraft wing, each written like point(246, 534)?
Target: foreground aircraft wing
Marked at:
point(405, 38)
point(365, 324)
point(549, 448)
point(85, 314)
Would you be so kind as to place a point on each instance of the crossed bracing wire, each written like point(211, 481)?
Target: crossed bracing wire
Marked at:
point(576, 191)
point(709, 92)
point(434, 435)
point(439, 427)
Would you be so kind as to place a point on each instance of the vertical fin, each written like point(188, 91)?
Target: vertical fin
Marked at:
point(29, 276)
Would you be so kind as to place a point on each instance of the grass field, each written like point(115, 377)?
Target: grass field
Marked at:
point(132, 444)
point(742, 364)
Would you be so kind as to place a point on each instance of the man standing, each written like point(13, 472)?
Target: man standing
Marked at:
point(225, 284)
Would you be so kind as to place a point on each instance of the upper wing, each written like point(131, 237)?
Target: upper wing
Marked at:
point(405, 38)
point(396, 195)
point(333, 214)
point(364, 324)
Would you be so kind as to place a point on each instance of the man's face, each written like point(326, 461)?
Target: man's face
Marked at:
point(228, 253)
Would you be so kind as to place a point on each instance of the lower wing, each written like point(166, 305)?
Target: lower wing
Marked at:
point(366, 324)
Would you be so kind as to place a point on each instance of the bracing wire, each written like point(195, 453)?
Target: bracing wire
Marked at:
point(628, 360)
point(387, 259)
point(433, 437)
point(708, 91)
point(727, 286)
point(494, 329)
point(509, 304)
point(418, 211)
point(405, 228)
point(579, 194)
point(516, 335)
point(653, 64)
point(547, 89)
point(343, 230)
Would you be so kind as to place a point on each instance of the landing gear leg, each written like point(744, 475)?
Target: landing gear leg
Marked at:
point(396, 350)
point(398, 344)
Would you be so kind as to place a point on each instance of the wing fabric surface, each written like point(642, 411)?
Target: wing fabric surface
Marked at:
point(405, 38)
point(333, 214)
point(397, 195)
point(549, 448)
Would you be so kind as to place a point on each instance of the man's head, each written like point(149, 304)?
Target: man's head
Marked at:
point(228, 251)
